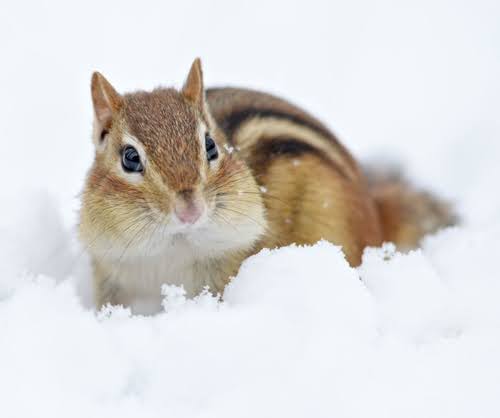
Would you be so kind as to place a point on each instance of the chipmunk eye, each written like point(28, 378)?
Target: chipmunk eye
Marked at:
point(211, 148)
point(131, 161)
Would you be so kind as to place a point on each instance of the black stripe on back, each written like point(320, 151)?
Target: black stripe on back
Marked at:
point(266, 150)
point(232, 121)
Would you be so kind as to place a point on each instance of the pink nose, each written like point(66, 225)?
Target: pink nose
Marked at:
point(188, 213)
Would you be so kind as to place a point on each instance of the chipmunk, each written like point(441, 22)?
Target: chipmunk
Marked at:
point(186, 184)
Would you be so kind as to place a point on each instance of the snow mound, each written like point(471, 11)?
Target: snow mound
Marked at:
point(298, 333)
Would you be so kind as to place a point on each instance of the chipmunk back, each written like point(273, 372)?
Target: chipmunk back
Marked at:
point(187, 184)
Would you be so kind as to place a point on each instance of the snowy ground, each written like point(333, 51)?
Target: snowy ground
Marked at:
point(298, 333)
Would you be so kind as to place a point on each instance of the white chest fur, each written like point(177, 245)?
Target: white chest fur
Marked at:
point(132, 275)
point(137, 280)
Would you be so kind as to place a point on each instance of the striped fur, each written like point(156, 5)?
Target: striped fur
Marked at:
point(275, 138)
point(314, 188)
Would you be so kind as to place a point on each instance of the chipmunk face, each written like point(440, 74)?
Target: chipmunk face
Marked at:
point(162, 177)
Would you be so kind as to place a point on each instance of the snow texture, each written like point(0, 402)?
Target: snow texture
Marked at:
point(299, 333)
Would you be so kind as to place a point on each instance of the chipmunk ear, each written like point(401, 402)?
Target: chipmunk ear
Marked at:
point(193, 87)
point(105, 99)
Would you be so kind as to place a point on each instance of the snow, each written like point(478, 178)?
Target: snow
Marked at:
point(298, 332)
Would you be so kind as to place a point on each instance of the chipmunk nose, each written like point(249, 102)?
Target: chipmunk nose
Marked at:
point(188, 208)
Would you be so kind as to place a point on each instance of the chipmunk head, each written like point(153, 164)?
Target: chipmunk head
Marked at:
point(162, 176)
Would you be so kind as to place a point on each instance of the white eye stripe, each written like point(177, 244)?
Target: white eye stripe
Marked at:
point(202, 130)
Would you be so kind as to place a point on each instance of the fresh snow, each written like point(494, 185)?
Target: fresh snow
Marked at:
point(298, 333)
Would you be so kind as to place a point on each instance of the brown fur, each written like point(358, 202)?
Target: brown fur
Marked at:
point(406, 213)
point(161, 120)
point(289, 180)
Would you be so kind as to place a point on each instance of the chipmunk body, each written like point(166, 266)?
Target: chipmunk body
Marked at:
point(187, 184)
